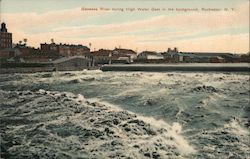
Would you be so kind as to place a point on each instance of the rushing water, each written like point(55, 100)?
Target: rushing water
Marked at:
point(208, 114)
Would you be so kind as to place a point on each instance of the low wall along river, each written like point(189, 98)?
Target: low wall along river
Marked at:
point(228, 67)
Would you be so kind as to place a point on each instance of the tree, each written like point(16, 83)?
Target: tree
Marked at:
point(25, 41)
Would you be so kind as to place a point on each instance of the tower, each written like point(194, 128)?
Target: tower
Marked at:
point(5, 36)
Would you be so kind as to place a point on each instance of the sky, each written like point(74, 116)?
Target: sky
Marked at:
point(223, 28)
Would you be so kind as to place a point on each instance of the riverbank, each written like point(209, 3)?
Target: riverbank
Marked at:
point(189, 67)
point(37, 69)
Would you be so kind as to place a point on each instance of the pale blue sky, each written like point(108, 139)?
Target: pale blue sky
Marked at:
point(39, 21)
point(41, 6)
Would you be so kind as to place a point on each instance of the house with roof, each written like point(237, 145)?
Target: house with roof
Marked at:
point(125, 52)
point(100, 57)
point(149, 55)
point(104, 56)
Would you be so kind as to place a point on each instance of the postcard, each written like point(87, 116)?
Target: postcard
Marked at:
point(126, 79)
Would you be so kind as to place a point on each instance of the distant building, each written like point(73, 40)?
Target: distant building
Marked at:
point(101, 57)
point(190, 58)
point(104, 56)
point(227, 57)
point(149, 55)
point(175, 50)
point(33, 55)
point(25, 50)
point(175, 56)
point(49, 48)
point(125, 52)
point(217, 59)
point(171, 55)
point(245, 58)
point(9, 52)
point(121, 59)
point(5, 37)
point(65, 49)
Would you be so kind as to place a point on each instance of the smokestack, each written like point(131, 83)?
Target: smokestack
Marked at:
point(169, 49)
point(175, 49)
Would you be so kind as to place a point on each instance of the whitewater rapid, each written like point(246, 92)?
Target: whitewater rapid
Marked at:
point(94, 114)
point(48, 124)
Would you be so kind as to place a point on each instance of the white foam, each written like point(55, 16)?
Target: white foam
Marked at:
point(173, 131)
point(236, 128)
point(177, 127)
point(80, 97)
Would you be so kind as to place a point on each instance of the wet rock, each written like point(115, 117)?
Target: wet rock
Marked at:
point(149, 102)
point(67, 74)
point(156, 155)
point(116, 121)
point(92, 133)
point(109, 131)
point(127, 129)
point(116, 142)
point(202, 102)
point(209, 89)
point(78, 111)
point(75, 81)
point(139, 122)
point(89, 79)
point(47, 75)
point(149, 131)
point(147, 154)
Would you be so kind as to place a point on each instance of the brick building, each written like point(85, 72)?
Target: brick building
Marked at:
point(65, 50)
point(5, 37)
